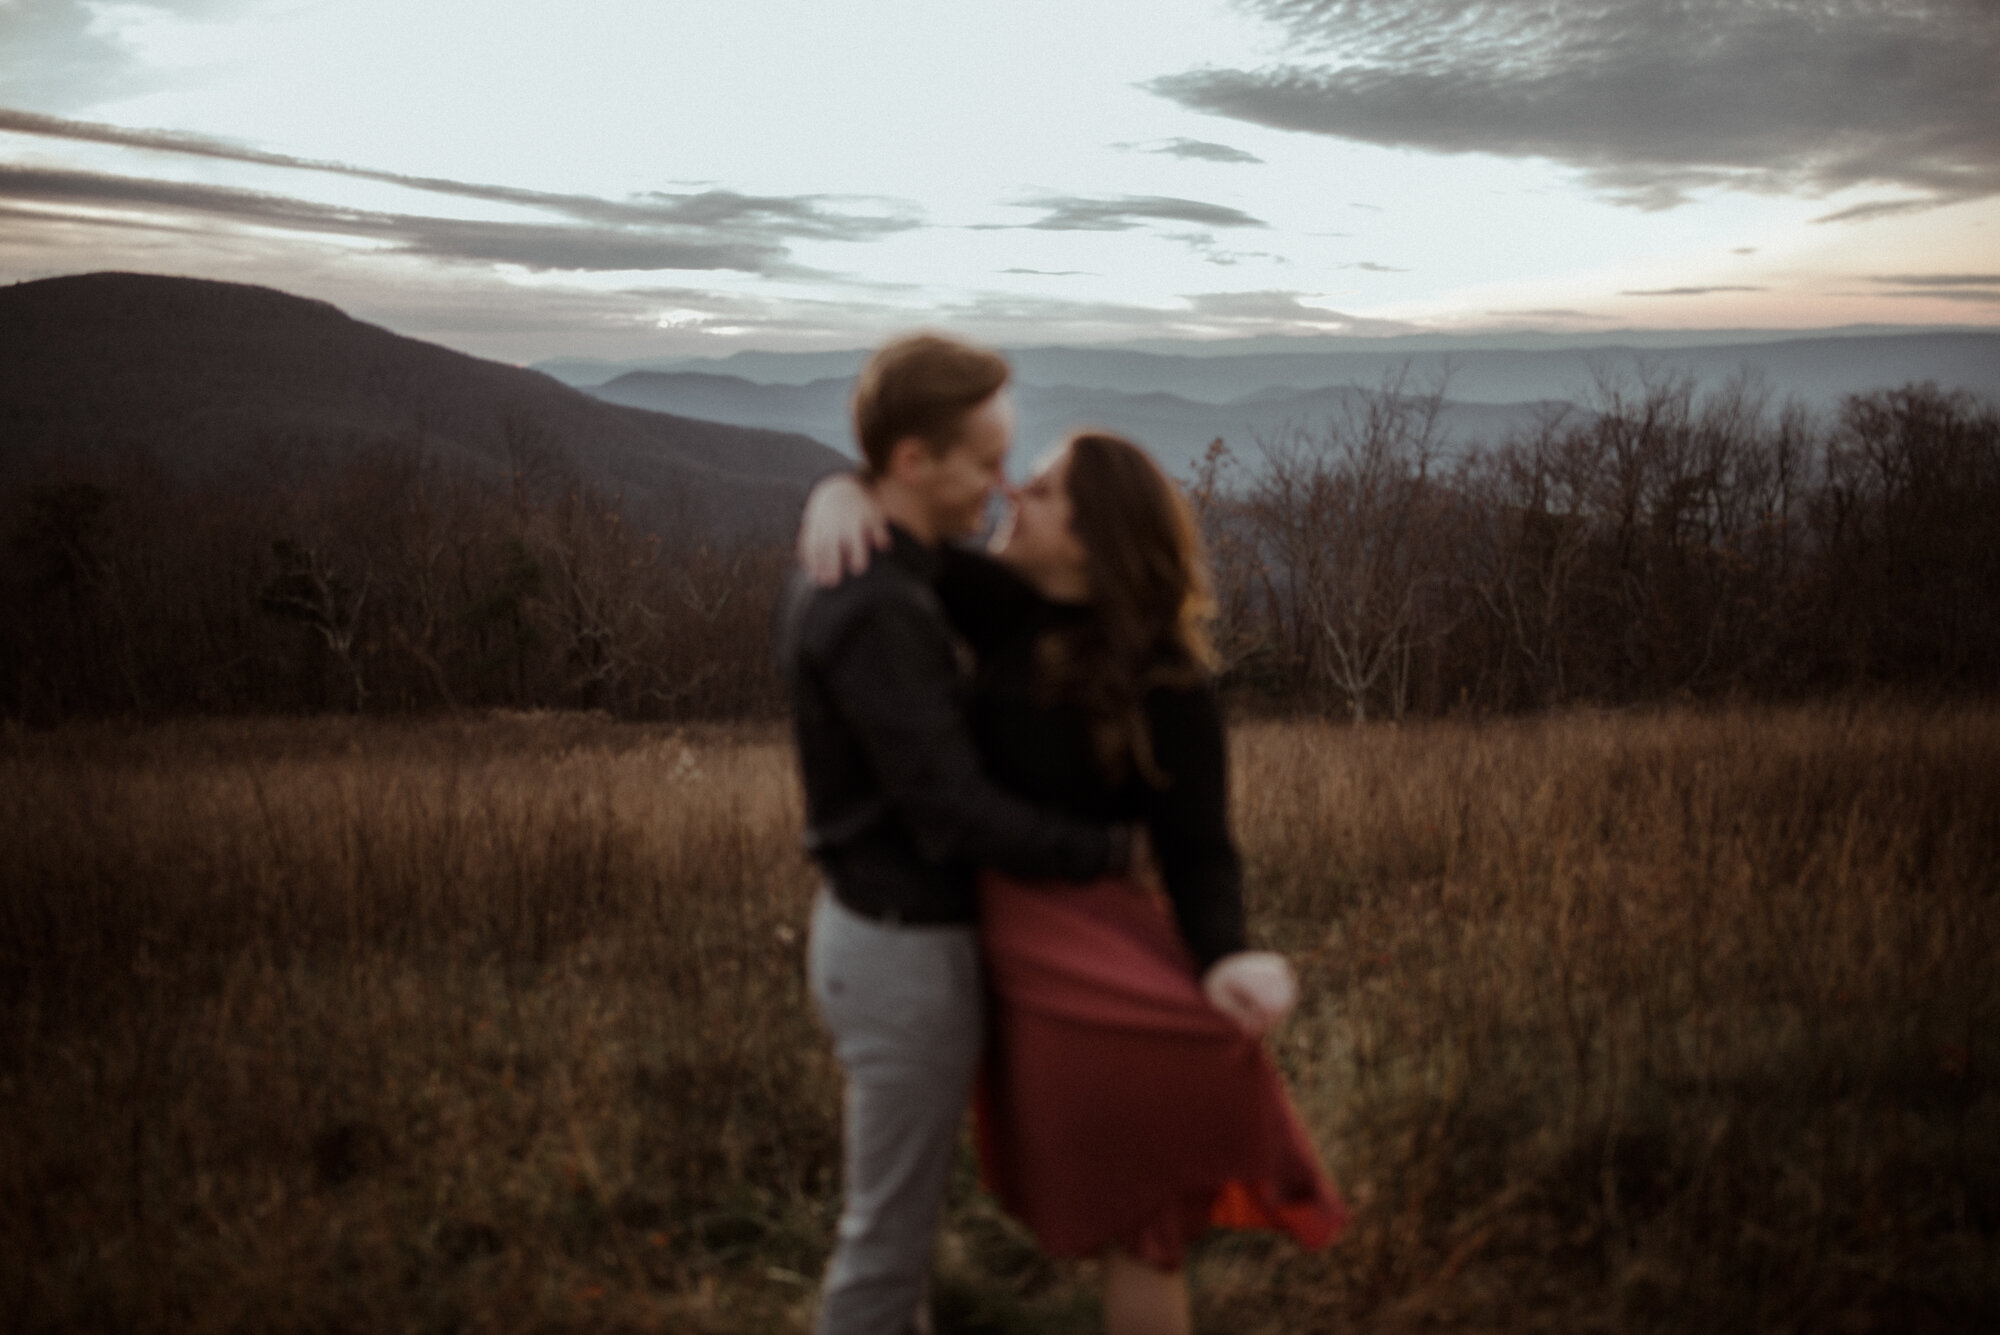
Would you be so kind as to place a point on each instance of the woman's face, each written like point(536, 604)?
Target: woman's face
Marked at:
point(1036, 538)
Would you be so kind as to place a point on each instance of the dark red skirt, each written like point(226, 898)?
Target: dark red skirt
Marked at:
point(1116, 1105)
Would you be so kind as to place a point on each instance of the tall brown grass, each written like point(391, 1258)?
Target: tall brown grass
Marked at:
point(1662, 1021)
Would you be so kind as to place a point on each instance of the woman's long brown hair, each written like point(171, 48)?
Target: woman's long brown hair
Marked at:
point(1149, 592)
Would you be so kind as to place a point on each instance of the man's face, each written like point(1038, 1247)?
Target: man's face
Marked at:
point(957, 484)
point(1037, 538)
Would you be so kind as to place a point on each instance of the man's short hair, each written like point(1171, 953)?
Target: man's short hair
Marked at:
point(922, 385)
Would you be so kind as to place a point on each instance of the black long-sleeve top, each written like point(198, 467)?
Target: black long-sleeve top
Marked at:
point(899, 812)
point(1042, 751)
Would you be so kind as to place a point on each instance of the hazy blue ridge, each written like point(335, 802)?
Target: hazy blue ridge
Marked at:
point(1176, 405)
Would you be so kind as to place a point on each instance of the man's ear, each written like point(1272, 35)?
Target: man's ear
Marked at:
point(910, 460)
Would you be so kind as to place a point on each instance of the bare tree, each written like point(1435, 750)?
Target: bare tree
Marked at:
point(599, 596)
point(1348, 520)
point(1241, 580)
point(1533, 496)
point(307, 589)
point(1910, 556)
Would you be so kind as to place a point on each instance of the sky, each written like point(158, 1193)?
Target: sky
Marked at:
point(639, 179)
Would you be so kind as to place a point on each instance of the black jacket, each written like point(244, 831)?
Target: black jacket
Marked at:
point(1040, 748)
point(898, 810)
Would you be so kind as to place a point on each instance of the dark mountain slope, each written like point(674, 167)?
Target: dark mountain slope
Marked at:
point(213, 378)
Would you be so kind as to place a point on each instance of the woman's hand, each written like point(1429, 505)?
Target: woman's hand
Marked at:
point(1255, 988)
point(841, 526)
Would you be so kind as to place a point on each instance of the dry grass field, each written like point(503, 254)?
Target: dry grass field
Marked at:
point(1649, 1022)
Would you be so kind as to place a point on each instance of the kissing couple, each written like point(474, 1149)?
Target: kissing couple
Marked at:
point(1016, 788)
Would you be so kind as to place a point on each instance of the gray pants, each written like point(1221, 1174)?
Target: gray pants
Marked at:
point(904, 1005)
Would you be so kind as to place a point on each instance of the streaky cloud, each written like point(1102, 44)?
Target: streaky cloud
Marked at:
point(798, 217)
point(1687, 291)
point(1882, 208)
point(1202, 150)
point(1550, 313)
point(1979, 296)
point(1940, 279)
point(1651, 102)
point(1122, 213)
point(540, 246)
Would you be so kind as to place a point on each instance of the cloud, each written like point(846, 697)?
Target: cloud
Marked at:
point(707, 229)
point(999, 317)
point(1200, 150)
point(1550, 313)
point(1980, 296)
point(35, 221)
point(1049, 273)
point(1204, 245)
point(1010, 318)
point(1940, 279)
point(1369, 266)
point(542, 246)
point(1650, 101)
point(59, 53)
point(50, 55)
point(1122, 213)
point(1264, 305)
point(1882, 208)
point(1284, 311)
point(501, 313)
point(1685, 291)
point(766, 217)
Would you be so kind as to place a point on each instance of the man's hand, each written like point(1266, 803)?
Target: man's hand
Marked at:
point(1255, 988)
point(841, 527)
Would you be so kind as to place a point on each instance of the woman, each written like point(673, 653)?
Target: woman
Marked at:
point(1127, 1103)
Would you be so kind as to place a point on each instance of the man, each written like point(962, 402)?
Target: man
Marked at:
point(899, 816)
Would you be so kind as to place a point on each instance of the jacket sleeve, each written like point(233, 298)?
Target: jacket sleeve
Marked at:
point(1188, 822)
point(892, 674)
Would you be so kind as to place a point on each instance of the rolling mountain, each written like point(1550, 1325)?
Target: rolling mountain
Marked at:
point(1177, 430)
point(818, 409)
point(1819, 369)
point(213, 378)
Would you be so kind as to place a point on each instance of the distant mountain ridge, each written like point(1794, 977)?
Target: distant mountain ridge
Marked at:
point(1820, 369)
point(1176, 430)
point(210, 377)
